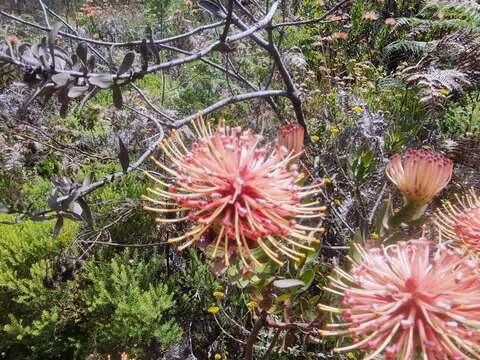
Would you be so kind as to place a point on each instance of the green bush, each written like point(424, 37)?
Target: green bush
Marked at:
point(115, 304)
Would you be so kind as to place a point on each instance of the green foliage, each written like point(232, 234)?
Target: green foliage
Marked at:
point(115, 304)
point(29, 321)
point(132, 311)
point(48, 167)
point(361, 164)
point(35, 193)
point(151, 84)
point(462, 118)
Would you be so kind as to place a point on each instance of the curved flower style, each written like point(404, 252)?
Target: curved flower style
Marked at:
point(291, 137)
point(236, 193)
point(461, 222)
point(421, 175)
point(405, 299)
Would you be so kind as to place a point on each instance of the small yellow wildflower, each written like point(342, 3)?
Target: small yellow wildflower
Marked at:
point(357, 109)
point(338, 202)
point(283, 297)
point(374, 235)
point(218, 295)
point(218, 356)
point(327, 180)
point(252, 305)
point(443, 91)
point(315, 138)
point(334, 130)
point(213, 310)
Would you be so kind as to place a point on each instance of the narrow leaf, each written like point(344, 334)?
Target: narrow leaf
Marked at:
point(123, 155)
point(144, 54)
point(52, 37)
point(104, 81)
point(86, 213)
point(60, 79)
point(82, 51)
point(126, 63)
point(58, 227)
point(117, 97)
point(76, 91)
point(287, 283)
point(212, 8)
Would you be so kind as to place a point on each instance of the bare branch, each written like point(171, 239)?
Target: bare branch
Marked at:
point(110, 43)
point(45, 15)
point(313, 21)
point(228, 101)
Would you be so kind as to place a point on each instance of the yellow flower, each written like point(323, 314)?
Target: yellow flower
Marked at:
point(334, 130)
point(374, 235)
point(283, 297)
point(252, 305)
point(327, 180)
point(443, 91)
point(213, 310)
point(357, 109)
point(338, 202)
point(218, 356)
point(315, 138)
point(218, 295)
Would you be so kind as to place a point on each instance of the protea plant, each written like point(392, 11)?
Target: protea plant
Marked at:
point(409, 299)
point(419, 175)
point(237, 195)
point(460, 222)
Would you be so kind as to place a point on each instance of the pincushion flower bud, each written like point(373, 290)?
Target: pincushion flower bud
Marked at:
point(291, 137)
point(461, 222)
point(407, 299)
point(420, 175)
point(12, 39)
point(229, 185)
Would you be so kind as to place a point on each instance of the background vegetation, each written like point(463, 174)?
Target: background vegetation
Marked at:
point(375, 77)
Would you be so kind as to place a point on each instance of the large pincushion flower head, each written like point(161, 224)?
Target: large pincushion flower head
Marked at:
point(236, 193)
point(420, 174)
point(291, 137)
point(407, 299)
point(461, 222)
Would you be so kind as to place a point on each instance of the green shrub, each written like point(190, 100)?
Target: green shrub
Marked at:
point(115, 304)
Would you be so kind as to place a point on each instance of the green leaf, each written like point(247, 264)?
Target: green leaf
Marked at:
point(288, 283)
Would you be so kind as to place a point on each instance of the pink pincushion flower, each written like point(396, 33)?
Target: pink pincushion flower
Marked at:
point(390, 21)
point(291, 137)
point(370, 16)
point(237, 194)
point(406, 299)
point(461, 222)
point(420, 175)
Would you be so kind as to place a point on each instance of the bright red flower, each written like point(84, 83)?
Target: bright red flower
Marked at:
point(420, 175)
point(407, 299)
point(237, 194)
point(461, 222)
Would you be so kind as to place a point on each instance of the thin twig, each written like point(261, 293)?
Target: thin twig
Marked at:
point(313, 21)
point(276, 334)
point(252, 338)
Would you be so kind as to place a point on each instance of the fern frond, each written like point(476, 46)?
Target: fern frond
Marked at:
point(412, 47)
point(468, 10)
point(437, 85)
point(409, 22)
